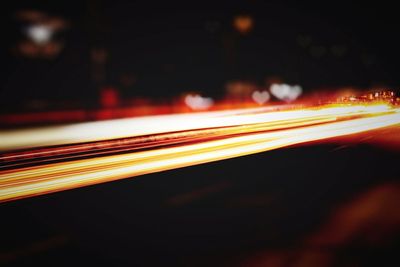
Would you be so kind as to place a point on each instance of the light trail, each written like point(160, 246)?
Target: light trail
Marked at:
point(150, 125)
point(168, 142)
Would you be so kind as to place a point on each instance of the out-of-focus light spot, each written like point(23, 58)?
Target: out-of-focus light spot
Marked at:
point(52, 49)
point(40, 34)
point(40, 30)
point(37, 17)
point(286, 92)
point(243, 23)
point(48, 50)
point(239, 89)
point(260, 97)
point(197, 102)
point(109, 97)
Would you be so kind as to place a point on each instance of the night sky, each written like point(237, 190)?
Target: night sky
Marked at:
point(170, 48)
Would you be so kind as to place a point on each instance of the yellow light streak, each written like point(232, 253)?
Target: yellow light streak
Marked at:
point(262, 132)
point(120, 128)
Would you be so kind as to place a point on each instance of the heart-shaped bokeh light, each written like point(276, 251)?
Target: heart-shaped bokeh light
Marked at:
point(286, 92)
point(260, 97)
point(197, 102)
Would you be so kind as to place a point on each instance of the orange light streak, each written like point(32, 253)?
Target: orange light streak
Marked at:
point(120, 128)
point(243, 132)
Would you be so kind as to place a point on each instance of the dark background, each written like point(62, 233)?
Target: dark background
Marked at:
point(167, 48)
point(235, 212)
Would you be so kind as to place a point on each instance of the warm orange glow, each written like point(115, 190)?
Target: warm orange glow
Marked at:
point(243, 23)
point(197, 138)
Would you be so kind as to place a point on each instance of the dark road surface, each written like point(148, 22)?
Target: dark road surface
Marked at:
point(270, 208)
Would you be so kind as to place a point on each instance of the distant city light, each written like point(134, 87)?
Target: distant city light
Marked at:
point(243, 23)
point(39, 33)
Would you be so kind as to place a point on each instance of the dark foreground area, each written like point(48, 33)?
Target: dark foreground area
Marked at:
point(323, 205)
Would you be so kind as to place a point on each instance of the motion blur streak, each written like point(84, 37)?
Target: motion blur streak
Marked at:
point(278, 129)
point(120, 128)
